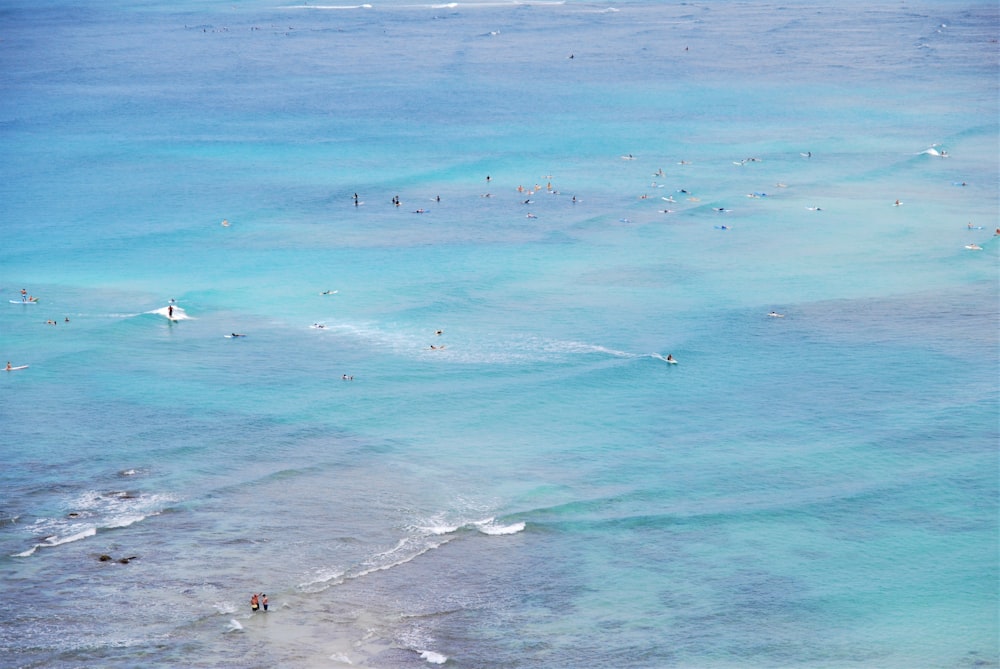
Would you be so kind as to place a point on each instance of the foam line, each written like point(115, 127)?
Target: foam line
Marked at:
point(58, 541)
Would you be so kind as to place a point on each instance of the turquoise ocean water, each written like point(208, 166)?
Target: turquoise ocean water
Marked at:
point(602, 184)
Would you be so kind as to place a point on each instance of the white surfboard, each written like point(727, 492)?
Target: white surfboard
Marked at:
point(24, 301)
point(14, 369)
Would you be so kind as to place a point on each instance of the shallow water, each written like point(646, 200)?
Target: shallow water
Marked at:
point(543, 490)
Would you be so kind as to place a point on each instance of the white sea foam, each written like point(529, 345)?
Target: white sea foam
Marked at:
point(439, 529)
point(234, 625)
point(395, 549)
point(119, 508)
point(101, 511)
point(225, 608)
point(493, 529)
point(125, 521)
point(432, 657)
point(322, 579)
point(403, 559)
point(436, 525)
point(58, 541)
point(326, 578)
point(178, 315)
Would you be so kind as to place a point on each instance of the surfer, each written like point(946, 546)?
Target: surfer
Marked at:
point(670, 358)
point(8, 366)
point(775, 314)
point(170, 311)
point(235, 335)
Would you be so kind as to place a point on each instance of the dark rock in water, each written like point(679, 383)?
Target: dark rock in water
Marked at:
point(72, 514)
point(105, 558)
point(128, 559)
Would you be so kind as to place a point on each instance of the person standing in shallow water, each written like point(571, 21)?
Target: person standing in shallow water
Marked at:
point(254, 602)
point(263, 601)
